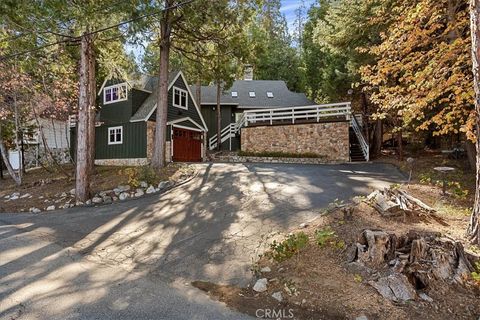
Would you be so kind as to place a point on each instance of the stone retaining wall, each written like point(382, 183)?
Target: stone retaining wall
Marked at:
point(329, 141)
point(243, 159)
point(122, 162)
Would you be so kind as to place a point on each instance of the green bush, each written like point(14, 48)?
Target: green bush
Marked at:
point(324, 236)
point(278, 154)
point(284, 250)
point(476, 273)
point(137, 174)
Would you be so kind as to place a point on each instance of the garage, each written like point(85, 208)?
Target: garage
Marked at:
point(187, 145)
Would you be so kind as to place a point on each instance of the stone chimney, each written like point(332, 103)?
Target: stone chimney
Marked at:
point(248, 72)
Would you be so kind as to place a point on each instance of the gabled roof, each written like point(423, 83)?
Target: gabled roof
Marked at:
point(150, 83)
point(150, 104)
point(282, 96)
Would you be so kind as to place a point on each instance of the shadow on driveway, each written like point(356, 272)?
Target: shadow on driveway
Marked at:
point(137, 255)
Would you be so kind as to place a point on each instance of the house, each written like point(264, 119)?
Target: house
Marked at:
point(125, 123)
point(43, 138)
point(265, 117)
point(246, 95)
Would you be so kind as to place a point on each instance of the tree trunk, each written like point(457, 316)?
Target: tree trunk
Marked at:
point(219, 118)
point(471, 154)
point(158, 157)
point(378, 138)
point(365, 119)
point(4, 154)
point(22, 149)
point(198, 92)
point(17, 138)
point(1, 168)
point(400, 145)
point(474, 227)
point(82, 176)
point(91, 110)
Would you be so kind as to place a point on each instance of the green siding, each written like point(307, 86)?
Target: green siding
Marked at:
point(134, 142)
point(175, 113)
point(117, 112)
point(138, 97)
point(210, 115)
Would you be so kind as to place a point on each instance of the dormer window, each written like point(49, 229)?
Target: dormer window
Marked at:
point(252, 94)
point(269, 94)
point(234, 94)
point(180, 98)
point(115, 93)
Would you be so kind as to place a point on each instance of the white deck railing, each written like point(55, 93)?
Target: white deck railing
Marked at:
point(292, 114)
point(227, 133)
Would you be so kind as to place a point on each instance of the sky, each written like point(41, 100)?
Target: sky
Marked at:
point(288, 9)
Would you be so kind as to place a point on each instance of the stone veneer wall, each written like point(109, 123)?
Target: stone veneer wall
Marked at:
point(150, 138)
point(150, 141)
point(131, 162)
point(329, 140)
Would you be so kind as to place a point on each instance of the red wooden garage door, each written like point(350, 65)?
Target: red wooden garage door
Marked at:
point(187, 145)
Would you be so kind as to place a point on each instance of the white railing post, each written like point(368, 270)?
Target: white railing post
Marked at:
point(293, 116)
point(271, 117)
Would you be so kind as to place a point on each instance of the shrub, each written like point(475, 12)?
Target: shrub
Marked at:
point(324, 236)
point(284, 250)
point(137, 174)
point(278, 154)
point(476, 273)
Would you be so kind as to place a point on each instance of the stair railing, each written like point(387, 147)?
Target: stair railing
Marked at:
point(361, 139)
point(227, 133)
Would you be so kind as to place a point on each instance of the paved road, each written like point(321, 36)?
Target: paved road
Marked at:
point(135, 259)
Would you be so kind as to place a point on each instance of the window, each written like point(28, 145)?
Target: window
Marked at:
point(269, 94)
point(115, 93)
point(115, 135)
point(252, 94)
point(234, 94)
point(180, 98)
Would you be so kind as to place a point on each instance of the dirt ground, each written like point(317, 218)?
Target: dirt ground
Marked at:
point(43, 186)
point(318, 283)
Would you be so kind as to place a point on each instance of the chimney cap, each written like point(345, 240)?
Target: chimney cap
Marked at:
point(248, 72)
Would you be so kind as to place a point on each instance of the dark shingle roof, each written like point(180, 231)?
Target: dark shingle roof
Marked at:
point(282, 97)
point(149, 83)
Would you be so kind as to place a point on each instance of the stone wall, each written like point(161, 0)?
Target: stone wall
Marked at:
point(329, 141)
point(150, 142)
point(252, 159)
point(150, 138)
point(122, 162)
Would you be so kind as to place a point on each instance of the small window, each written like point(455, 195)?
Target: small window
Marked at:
point(180, 98)
point(234, 94)
point(269, 94)
point(252, 94)
point(115, 135)
point(115, 93)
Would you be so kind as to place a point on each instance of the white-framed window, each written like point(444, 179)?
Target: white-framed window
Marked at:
point(252, 94)
point(180, 98)
point(234, 94)
point(115, 135)
point(115, 93)
point(269, 94)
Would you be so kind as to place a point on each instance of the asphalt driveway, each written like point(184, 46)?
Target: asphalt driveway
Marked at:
point(135, 259)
